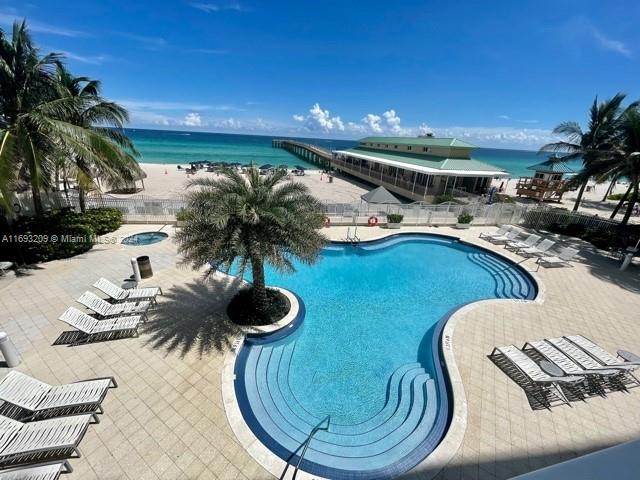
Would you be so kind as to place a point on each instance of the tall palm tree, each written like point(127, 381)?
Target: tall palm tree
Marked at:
point(589, 145)
point(38, 123)
point(251, 221)
point(113, 158)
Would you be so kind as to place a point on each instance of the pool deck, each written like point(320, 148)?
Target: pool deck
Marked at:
point(167, 420)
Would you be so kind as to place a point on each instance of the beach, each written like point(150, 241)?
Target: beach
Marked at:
point(167, 182)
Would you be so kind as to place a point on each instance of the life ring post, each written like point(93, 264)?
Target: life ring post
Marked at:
point(373, 221)
point(327, 222)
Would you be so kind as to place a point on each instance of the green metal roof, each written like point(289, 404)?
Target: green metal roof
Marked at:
point(422, 141)
point(552, 165)
point(429, 161)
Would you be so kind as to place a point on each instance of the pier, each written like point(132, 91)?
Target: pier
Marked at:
point(309, 153)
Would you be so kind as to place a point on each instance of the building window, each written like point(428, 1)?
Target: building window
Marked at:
point(426, 149)
point(386, 146)
point(395, 146)
point(378, 144)
point(409, 147)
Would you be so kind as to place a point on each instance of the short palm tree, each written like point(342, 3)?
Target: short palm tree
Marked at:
point(592, 144)
point(262, 218)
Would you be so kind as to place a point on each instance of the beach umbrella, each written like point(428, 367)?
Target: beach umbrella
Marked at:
point(379, 195)
point(300, 167)
point(266, 166)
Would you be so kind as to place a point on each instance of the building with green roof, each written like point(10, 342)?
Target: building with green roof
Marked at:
point(418, 168)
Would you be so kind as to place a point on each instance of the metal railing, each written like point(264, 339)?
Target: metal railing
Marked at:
point(305, 446)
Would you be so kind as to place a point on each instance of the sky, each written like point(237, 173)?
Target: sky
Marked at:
point(499, 74)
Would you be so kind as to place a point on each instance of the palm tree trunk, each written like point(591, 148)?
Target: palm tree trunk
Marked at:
point(260, 300)
point(632, 202)
point(81, 199)
point(621, 202)
point(580, 193)
point(37, 201)
point(608, 192)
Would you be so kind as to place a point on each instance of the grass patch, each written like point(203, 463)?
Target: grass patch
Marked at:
point(242, 311)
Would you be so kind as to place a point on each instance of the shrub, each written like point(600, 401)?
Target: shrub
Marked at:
point(102, 220)
point(394, 218)
point(438, 199)
point(465, 217)
point(182, 215)
point(616, 196)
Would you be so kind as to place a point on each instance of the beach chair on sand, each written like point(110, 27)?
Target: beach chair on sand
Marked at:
point(42, 471)
point(630, 361)
point(103, 329)
point(26, 398)
point(538, 250)
point(510, 236)
point(562, 259)
point(587, 362)
point(498, 233)
point(542, 386)
point(23, 442)
point(516, 245)
point(120, 294)
point(106, 309)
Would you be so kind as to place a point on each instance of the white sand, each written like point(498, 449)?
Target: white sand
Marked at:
point(169, 182)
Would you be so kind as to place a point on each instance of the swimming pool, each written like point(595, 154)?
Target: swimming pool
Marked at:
point(363, 357)
point(144, 238)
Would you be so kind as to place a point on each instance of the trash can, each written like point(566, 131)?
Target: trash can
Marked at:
point(9, 352)
point(144, 264)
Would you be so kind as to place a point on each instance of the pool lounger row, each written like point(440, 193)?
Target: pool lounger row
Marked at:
point(573, 361)
point(67, 411)
point(532, 246)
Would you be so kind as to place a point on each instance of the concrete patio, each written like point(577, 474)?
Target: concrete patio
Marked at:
point(167, 420)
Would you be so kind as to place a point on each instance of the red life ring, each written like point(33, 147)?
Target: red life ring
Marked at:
point(327, 222)
point(373, 221)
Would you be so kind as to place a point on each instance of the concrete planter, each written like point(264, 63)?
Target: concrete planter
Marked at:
point(393, 225)
point(462, 226)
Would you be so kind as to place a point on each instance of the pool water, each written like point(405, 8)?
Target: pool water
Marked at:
point(144, 238)
point(366, 341)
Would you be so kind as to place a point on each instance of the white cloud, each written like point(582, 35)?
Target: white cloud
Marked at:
point(532, 138)
point(504, 117)
point(393, 123)
point(372, 121)
point(609, 43)
point(167, 106)
point(320, 120)
point(149, 43)
point(7, 19)
point(424, 129)
point(218, 7)
point(90, 59)
point(192, 119)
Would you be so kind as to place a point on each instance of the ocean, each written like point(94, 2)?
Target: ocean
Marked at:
point(173, 147)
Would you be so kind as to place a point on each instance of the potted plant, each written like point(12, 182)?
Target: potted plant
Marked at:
point(464, 220)
point(181, 217)
point(394, 220)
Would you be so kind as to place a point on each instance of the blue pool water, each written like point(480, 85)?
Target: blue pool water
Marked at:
point(363, 353)
point(144, 238)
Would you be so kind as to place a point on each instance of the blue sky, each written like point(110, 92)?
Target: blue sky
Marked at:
point(498, 73)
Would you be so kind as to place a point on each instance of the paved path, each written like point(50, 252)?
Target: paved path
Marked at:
point(166, 420)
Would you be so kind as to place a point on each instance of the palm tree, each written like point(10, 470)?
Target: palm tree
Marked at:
point(113, 158)
point(589, 145)
point(251, 221)
point(39, 122)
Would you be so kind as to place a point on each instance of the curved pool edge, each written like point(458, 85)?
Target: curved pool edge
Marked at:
point(452, 438)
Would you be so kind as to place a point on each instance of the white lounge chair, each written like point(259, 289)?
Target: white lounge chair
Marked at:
point(105, 328)
point(43, 471)
point(537, 250)
point(529, 242)
point(106, 309)
point(510, 236)
point(119, 294)
point(21, 442)
point(541, 383)
point(498, 233)
point(4, 267)
point(22, 393)
point(570, 367)
point(587, 362)
point(563, 258)
point(602, 356)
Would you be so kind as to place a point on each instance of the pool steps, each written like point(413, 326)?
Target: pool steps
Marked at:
point(385, 438)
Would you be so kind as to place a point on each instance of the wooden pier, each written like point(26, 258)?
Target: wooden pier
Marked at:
point(309, 153)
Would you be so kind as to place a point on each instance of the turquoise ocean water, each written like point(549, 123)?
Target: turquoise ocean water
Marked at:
point(171, 147)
